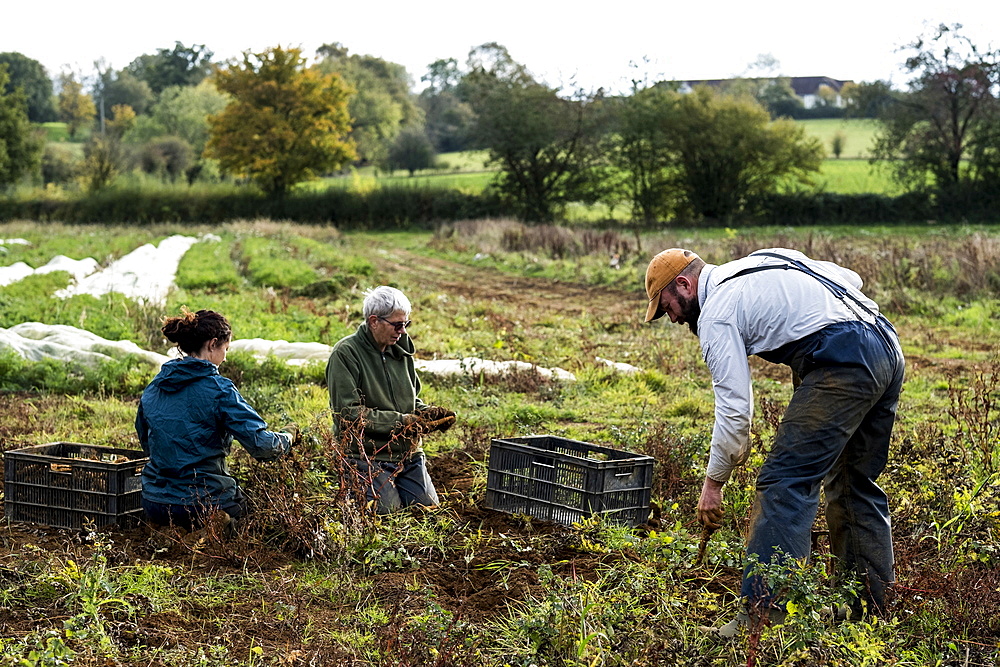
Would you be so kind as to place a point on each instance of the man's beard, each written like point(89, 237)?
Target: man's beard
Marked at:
point(690, 311)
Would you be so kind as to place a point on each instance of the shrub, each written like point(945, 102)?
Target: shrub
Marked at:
point(58, 165)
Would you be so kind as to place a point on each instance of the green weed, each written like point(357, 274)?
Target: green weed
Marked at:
point(271, 263)
point(208, 265)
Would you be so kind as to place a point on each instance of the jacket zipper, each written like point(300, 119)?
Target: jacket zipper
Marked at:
point(388, 382)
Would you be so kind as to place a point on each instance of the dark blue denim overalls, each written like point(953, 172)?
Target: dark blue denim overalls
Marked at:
point(835, 433)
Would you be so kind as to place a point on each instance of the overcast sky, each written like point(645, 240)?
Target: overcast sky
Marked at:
point(594, 44)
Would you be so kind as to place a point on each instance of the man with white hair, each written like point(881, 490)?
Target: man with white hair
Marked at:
point(377, 411)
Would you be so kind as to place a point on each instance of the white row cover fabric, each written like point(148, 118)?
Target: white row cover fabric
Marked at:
point(145, 274)
point(36, 341)
point(77, 268)
point(474, 366)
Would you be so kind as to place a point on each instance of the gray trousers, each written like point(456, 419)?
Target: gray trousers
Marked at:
point(396, 485)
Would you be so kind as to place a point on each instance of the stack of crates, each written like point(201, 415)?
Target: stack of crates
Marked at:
point(562, 480)
point(73, 485)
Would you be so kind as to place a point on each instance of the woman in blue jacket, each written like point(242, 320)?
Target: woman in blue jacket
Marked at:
point(186, 422)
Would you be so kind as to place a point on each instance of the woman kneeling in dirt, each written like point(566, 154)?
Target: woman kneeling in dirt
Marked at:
point(187, 419)
point(377, 411)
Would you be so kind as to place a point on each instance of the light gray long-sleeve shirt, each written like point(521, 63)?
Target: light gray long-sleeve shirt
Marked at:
point(756, 313)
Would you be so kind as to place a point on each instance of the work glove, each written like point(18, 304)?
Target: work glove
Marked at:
point(421, 423)
point(433, 412)
point(292, 429)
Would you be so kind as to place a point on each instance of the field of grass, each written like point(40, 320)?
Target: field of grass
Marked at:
point(858, 134)
point(57, 133)
point(855, 177)
point(313, 581)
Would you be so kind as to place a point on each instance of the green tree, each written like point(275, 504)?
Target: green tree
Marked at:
point(285, 124)
point(181, 111)
point(179, 66)
point(826, 96)
point(778, 97)
point(30, 76)
point(867, 99)
point(727, 151)
point(411, 150)
point(547, 147)
point(774, 94)
point(837, 143)
point(382, 105)
point(447, 118)
point(104, 155)
point(59, 164)
point(122, 89)
point(20, 145)
point(642, 151)
point(762, 81)
point(949, 114)
point(169, 158)
point(76, 108)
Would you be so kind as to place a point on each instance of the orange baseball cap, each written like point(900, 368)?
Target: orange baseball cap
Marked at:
point(661, 271)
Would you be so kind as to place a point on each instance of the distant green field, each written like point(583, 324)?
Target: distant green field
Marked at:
point(466, 170)
point(464, 161)
point(57, 133)
point(859, 133)
point(855, 177)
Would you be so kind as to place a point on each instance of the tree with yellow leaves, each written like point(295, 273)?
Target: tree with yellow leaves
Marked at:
point(284, 124)
point(76, 108)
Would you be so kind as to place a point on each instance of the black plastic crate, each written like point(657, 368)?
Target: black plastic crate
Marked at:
point(557, 479)
point(68, 484)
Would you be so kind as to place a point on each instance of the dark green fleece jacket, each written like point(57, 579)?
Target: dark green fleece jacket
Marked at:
point(370, 391)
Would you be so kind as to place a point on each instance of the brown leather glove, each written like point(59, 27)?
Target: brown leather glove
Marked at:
point(442, 424)
point(434, 413)
point(422, 423)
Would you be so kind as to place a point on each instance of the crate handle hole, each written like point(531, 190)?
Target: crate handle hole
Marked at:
point(625, 472)
point(543, 463)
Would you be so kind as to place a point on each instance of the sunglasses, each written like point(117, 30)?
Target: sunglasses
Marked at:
point(398, 326)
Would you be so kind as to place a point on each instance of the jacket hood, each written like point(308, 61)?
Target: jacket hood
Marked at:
point(403, 347)
point(179, 373)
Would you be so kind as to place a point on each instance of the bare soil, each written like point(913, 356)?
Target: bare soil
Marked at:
point(530, 298)
point(501, 571)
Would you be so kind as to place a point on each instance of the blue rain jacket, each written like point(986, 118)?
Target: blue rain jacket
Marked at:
point(186, 422)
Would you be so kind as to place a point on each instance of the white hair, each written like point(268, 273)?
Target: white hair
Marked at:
point(383, 301)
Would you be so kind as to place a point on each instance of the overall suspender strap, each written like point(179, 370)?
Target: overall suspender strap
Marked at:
point(834, 287)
